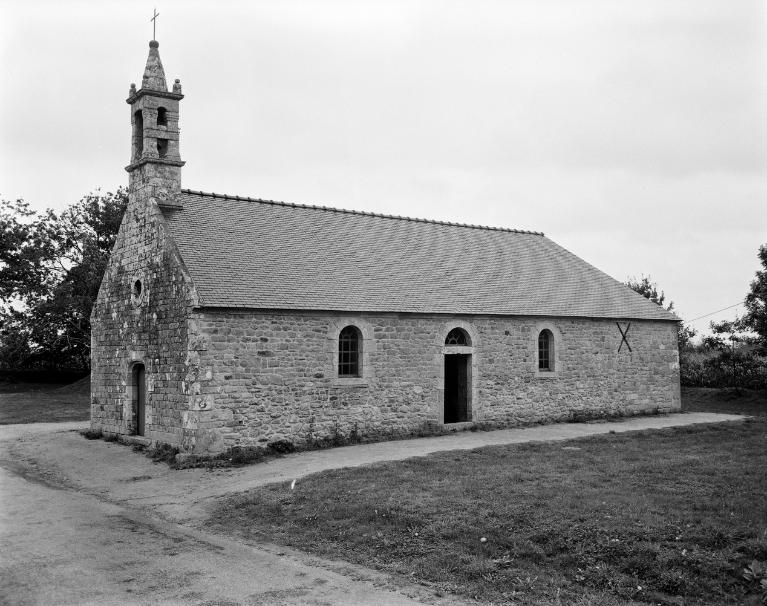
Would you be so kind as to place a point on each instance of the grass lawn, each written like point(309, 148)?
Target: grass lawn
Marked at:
point(44, 402)
point(662, 517)
point(709, 399)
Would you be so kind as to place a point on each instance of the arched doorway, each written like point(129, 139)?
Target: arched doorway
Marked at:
point(457, 377)
point(139, 399)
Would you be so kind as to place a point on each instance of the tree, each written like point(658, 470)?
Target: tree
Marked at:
point(684, 336)
point(51, 265)
point(733, 358)
point(735, 355)
point(755, 318)
point(741, 344)
point(649, 289)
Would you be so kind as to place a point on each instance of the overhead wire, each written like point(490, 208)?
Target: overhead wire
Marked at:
point(713, 312)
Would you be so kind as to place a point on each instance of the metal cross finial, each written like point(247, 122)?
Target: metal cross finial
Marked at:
point(154, 23)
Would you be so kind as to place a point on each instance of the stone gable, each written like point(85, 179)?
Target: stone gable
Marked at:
point(148, 328)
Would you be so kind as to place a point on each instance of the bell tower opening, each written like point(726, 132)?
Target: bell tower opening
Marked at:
point(138, 135)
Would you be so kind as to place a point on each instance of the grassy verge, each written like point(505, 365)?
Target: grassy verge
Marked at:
point(44, 402)
point(662, 517)
point(239, 456)
point(737, 401)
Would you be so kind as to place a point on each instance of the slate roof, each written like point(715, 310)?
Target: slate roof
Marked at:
point(259, 254)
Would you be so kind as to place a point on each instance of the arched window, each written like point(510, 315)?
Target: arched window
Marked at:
point(349, 352)
point(457, 336)
point(545, 350)
point(162, 116)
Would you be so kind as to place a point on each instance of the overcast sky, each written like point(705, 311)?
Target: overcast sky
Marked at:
point(632, 133)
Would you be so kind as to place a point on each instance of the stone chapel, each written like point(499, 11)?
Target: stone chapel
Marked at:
point(227, 321)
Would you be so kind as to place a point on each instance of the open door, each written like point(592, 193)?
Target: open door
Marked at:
point(457, 388)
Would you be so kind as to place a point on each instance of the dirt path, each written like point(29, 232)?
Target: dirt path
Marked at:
point(60, 545)
point(94, 522)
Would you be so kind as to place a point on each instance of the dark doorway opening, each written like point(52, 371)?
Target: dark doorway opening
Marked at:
point(457, 388)
point(139, 398)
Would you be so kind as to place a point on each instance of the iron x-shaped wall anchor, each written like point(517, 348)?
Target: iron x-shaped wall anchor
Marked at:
point(623, 336)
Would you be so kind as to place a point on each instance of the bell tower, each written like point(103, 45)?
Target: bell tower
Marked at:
point(155, 166)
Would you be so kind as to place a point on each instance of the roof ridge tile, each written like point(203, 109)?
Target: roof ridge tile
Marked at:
point(195, 192)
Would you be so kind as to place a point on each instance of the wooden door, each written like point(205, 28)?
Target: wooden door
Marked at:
point(140, 400)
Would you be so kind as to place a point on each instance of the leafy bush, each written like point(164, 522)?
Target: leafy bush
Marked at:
point(243, 455)
point(756, 573)
point(163, 453)
point(92, 434)
point(281, 446)
point(707, 367)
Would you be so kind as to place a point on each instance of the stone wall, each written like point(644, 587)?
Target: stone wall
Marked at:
point(269, 376)
point(149, 328)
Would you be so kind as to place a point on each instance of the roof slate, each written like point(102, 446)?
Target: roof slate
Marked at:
point(258, 254)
